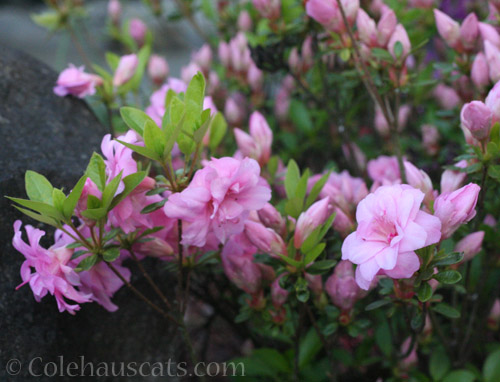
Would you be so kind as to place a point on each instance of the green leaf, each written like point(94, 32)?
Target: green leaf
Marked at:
point(320, 267)
point(95, 213)
point(110, 190)
point(71, 201)
point(494, 172)
point(316, 189)
point(292, 178)
point(40, 218)
point(38, 188)
point(293, 207)
point(289, 260)
point(439, 364)
point(193, 107)
point(448, 277)
point(382, 54)
point(218, 128)
point(48, 19)
point(273, 358)
point(154, 138)
point(491, 367)
point(377, 304)
point(58, 199)
point(300, 115)
point(460, 376)
point(96, 171)
point(383, 337)
point(417, 321)
point(314, 253)
point(87, 263)
point(446, 310)
point(309, 348)
point(42, 208)
point(135, 118)
point(398, 49)
point(131, 182)
point(153, 207)
point(113, 60)
point(452, 258)
point(144, 151)
point(79, 253)
point(424, 292)
point(111, 254)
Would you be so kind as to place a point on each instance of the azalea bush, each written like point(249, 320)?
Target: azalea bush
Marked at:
point(324, 176)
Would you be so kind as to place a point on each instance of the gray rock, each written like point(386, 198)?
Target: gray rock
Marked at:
point(56, 136)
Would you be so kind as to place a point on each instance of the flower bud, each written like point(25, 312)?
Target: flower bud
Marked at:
point(452, 180)
point(309, 220)
point(233, 112)
point(269, 9)
point(262, 135)
point(386, 26)
point(493, 102)
point(493, 59)
point(401, 36)
point(341, 286)
point(125, 70)
point(203, 58)
point(158, 69)
point(456, 208)
point(470, 245)
point(448, 28)
point(314, 283)
point(224, 54)
point(244, 21)
point(419, 179)
point(446, 96)
point(490, 220)
point(265, 239)
point(480, 71)
point(489, 33)
point(494, 316)
point(137, 30)
point(114, 11)
point(430, 139)
point(367, 28)
point(255, 77)
point(477, 117)
point(469, 32)
point(271, 218)
point(294, 60)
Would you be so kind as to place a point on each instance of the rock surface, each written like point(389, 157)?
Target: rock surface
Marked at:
point(56, 136)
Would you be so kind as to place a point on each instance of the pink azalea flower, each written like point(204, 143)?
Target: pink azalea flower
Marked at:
point(219, 199)
point(76, 82)
point(257, 144)
point(341, 286)
point(391, 227)
point(52, 272)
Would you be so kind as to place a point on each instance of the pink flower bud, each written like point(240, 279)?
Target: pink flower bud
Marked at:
point(315, 283)
point(262, 135)
point(328, 14)
point(446, 96)
point(468, 32)
point(156, 248)
point(114, 11)
point(456, 208)
point(419, 179)
point(271, 218)
point(493, 59)
point(224, 54)
point(452, 180)
point(493, 102)
point(158, 69)
point(386, 26)
point(189, 71)
point(367, 28)
point(480, 71)
point(137, 30)
point(203, 58)
point(244, 21)
point(477, 117)
point(489, 220)
point(341, 286)
point(401, 36)
point(489, 33)
point(470, 245)
point(412, 359)
point(278, 294)
point(294, 60)
point(430, 139)
point(125, 70)
point(448, 28)
point(494, 316)
point(265, 239)
point(233, 112)
point(269, 9)
point(255, 77)
point(309, 220)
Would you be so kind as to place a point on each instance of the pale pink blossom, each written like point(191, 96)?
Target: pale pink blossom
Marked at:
point(493, 58)
point(493, 102)
point(138, 30)
point(477, 117)
point(470, 245)
point(448, 28)
point(158, 69)
point(489, 33)
point(452, 180)
point(384, 170)
point(430, 139)
point(399, 35)
point(469, 32)
point(447, 97)
point(265, 239)
point(480, 74)
point(52, 272)
point(219, 199)
point(391, 227)
point(327, 13)
point(244, 21)
point(76, 82)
